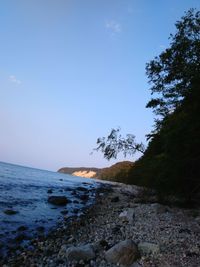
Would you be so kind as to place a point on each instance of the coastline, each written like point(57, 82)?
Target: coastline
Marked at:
point(164, 236)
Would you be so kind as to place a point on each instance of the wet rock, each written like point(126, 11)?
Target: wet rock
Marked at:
point(49, 191)
point(84, 253)
point(10, 212)
point(148, 248)
point(58, 200)
point(127, 215)
point(125, 253)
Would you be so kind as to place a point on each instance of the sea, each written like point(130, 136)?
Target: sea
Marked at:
point(26, 191)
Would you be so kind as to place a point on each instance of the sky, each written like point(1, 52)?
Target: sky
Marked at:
point(70, 71)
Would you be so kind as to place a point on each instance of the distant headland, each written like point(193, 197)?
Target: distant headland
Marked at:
point(115, 172)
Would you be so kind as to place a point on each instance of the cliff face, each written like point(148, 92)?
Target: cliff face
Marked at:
point(82, 172)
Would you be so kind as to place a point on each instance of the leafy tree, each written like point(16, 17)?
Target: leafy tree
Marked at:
point(114, 143)
point(173, 73)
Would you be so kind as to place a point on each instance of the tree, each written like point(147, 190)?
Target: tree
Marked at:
point(173, 73)
point(113, 144)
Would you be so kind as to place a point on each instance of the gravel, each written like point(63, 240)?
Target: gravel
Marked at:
point(165, 236)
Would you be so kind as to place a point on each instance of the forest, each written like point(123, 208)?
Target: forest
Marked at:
point(171, 162)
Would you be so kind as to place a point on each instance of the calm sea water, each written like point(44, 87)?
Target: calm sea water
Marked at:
point(25, 190)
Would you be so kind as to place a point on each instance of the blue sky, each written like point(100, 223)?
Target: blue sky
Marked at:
point(72, 70)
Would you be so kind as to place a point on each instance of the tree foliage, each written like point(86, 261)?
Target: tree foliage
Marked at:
point(171, 161)
point(114, 143)
point(173, 73)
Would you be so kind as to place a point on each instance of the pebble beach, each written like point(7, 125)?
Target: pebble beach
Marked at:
point(121, 229)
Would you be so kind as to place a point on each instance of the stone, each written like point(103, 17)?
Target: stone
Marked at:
point(49, 191)
point(127, 215)
point(148, 248)
point(85, 253)
point(58, 200)
point(10, 212)
point(124, 253)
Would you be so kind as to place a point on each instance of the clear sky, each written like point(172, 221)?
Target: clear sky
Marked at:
point(72, 70)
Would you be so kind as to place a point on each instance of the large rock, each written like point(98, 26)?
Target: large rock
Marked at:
point(148, 248)
point(58, 200)
point(84, 253)
point(127, 215)
point(124, 253)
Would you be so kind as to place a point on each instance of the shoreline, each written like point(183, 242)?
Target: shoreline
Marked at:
point(164, 236)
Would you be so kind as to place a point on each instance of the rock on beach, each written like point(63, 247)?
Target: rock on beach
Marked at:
point(85, 252)
point(148, 248)
point(125, 253)
point(58, 200)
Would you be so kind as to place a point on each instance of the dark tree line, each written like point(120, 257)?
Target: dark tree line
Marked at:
point(171, 161)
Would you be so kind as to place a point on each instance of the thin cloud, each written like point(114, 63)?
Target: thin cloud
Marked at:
point(113, 26)
point(13, 79)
